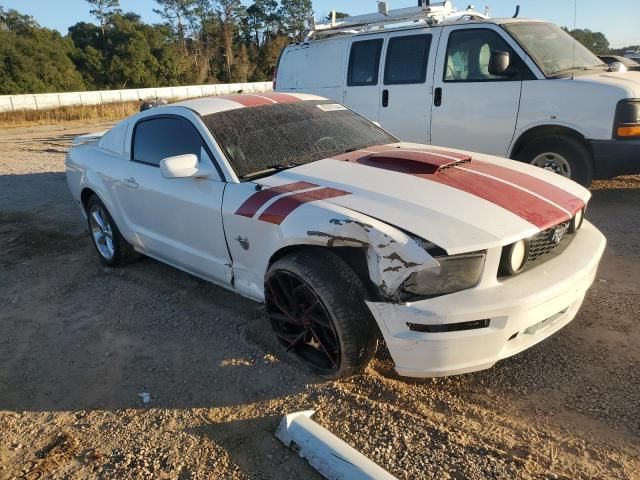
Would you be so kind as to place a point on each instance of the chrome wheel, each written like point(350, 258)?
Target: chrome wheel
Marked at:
point(553, 162)
point(301, 322)
point(102, 232)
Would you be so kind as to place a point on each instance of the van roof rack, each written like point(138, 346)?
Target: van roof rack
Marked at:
point(430, 14)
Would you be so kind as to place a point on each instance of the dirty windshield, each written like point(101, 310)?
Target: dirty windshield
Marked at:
point(259, 141)
point(554, 50)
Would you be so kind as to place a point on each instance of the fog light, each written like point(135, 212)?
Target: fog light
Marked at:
point(514, 257)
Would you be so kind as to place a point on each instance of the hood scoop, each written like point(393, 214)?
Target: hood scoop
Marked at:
point(414, 162)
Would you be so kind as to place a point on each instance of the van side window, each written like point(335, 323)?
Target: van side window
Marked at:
point(469, 52)
point(364, 63)
point(407, 58)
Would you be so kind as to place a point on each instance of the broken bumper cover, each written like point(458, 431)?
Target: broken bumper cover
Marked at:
point(522, 311)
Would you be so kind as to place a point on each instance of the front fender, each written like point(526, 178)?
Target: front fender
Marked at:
point(391, 254)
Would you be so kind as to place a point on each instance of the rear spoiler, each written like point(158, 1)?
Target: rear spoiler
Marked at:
point(89, 137)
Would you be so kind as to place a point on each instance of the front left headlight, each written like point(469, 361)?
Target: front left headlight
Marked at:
point(455, 273)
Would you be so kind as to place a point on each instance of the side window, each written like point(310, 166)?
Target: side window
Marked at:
point(163, 137)
point(469, 52)
point(364, 63)
point(407, 60)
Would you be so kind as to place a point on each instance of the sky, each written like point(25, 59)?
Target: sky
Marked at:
point(619, 24)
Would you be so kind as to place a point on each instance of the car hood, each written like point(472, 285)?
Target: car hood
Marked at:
point(627, 82)
point(461, 201)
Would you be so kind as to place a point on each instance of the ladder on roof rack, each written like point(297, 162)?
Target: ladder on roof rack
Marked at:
point(429, 14)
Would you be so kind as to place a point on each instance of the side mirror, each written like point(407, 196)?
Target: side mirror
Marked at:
point(617, 67)
point(183, 166)
point(499, 63)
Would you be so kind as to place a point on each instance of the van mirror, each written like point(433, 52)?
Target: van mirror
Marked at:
point(617, 67)
point(499, 63)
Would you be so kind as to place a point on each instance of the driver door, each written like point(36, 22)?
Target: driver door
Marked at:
point(473, 109)
point(178, 220)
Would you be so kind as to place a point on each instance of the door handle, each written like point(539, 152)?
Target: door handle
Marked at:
point(437, 97)
point(385, 98)
point(131, 182)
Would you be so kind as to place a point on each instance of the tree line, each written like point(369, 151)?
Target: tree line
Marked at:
point(198, 42)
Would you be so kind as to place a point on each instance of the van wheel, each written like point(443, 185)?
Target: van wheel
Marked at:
point(315, 303)
point(111, 246)
point(565, 156)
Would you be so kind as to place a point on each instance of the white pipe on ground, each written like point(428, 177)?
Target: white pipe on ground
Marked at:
point(330, 456)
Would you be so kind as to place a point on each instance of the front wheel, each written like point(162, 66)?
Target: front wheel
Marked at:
point(315, 303)
point(565, 156)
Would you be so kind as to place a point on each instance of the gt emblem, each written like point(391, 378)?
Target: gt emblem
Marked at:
point(559, 233)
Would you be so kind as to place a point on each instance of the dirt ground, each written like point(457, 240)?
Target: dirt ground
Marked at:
point(79, 342)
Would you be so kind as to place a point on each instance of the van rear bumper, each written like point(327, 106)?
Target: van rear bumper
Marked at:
point(615, 157)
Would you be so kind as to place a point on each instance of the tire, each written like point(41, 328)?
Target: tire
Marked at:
point(552, 152)
point(114, 250)
point(339, 300)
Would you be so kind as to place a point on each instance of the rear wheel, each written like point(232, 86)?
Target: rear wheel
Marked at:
point(560, 154)
point(315, 303)
point(111, 246)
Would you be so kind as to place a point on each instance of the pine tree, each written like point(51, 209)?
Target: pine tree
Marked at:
point(103, 10)
point(295, 14)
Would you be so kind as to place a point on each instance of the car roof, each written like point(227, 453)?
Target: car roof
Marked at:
point(209, 105)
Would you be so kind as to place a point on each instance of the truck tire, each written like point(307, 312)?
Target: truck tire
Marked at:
point(113, 250)
point(561, 154)
point(315, 303)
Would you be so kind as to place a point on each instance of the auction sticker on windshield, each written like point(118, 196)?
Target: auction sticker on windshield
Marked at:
point(331, 107)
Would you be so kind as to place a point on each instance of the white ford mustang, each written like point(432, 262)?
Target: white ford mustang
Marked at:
point(458, 259)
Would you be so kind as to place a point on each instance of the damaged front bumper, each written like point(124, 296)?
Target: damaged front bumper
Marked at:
point(493, 321)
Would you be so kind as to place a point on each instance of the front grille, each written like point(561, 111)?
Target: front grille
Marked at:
point(546, 241)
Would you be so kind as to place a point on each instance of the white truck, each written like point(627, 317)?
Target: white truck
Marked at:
point(521, 89)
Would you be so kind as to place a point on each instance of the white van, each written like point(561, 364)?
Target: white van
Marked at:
point(523, 89)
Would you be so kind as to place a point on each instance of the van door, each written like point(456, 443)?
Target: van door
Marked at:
point(407, 80)
point(472, 109)
point(362, 82)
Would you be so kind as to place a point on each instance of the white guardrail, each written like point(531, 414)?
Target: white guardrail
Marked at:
point(44, 101)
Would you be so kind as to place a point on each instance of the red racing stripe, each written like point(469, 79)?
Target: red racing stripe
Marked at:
point(281, 208)
point(547, 190)
point(554, 194)
point(258, 199)
point(531, 208)
point(248, 100)
point(280, 97)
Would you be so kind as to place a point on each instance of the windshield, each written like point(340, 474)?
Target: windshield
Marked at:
point(272, 137)
point(553, 49)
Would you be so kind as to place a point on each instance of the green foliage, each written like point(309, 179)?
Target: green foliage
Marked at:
point(594, 41)
point(339, 16)
point(35, 60)
point(294, 15)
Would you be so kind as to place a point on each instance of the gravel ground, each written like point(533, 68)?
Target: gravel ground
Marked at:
point(79, 342)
